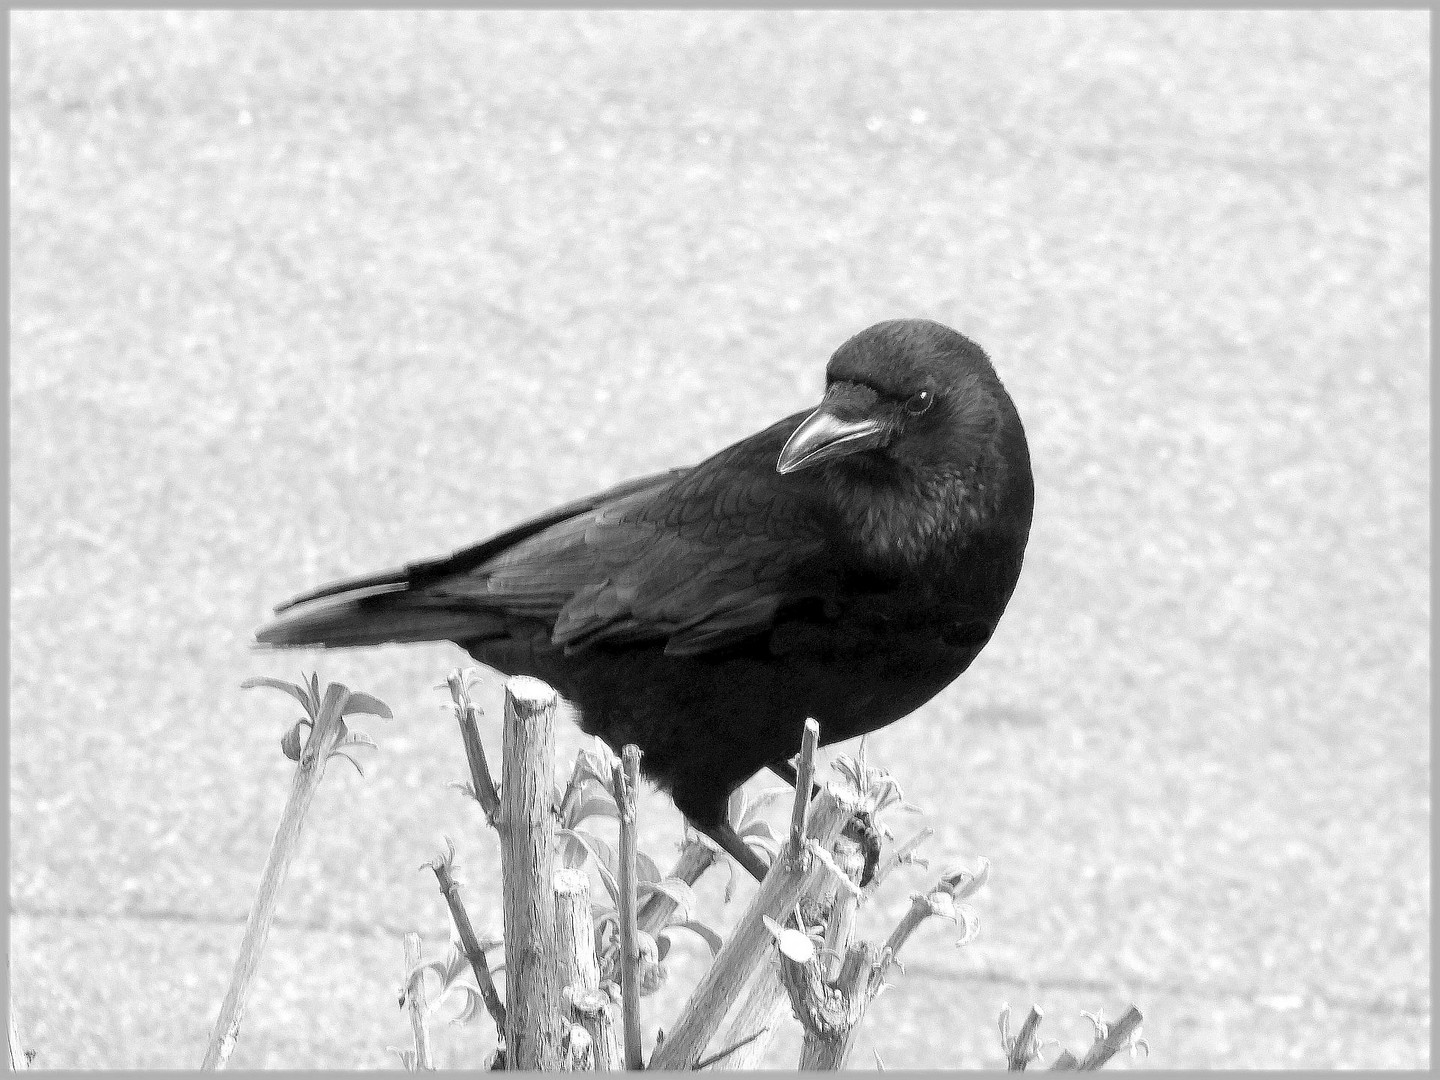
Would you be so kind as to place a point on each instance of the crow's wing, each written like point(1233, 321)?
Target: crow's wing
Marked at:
point(417, 574)
point(700, 562)
point(697, 558)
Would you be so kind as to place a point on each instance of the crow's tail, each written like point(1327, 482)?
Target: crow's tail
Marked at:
point(372, 615)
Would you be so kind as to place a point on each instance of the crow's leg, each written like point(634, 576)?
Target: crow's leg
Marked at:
point(785, 771)
point(862, 829)
point(725, 835)
point(705, 809)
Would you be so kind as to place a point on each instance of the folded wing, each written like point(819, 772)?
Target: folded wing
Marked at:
point(697, 559)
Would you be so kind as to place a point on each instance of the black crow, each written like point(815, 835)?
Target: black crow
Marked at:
point(844, 564)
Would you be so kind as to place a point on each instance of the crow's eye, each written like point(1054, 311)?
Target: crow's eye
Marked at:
point(918, 403)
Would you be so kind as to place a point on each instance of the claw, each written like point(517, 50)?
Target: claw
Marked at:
point(862, 830)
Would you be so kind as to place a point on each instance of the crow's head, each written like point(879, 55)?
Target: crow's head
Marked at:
point(904, 393)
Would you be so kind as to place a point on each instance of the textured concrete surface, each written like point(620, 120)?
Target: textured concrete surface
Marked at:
point(301, 295)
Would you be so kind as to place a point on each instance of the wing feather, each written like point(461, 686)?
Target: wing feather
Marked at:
point(699, 563)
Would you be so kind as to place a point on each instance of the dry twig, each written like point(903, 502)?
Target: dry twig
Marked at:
point(534, 1028)
point(415, 1000)
point(444, 867)
point(804, 779)
point(627, 776)
point(695, 858)
point(782, 888)
point(763, 1005)
point(327, 736)
point(1024, 1047)
point(575, 938)
point(1110, 1039)
point(482, 784)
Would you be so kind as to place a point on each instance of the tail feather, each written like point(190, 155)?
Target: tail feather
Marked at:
point(372, 616)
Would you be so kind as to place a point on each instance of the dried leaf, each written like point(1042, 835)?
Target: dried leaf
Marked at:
point(298, 693)
point(409, 1060)
point(358, 767)
point(645, 868)
point(761, 801)
point(771, 847)
point(290, 744)
point(359, 702)
point(735, 806)
point(675, 889)
point(594, 806)
point(710, 937)
point(606, 861)
point(473, 1002)
point(757, 829)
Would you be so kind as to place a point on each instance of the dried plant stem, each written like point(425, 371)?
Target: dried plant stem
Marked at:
point(575, 938)
point(789, 879)
point(919, 910)
point(534, 1027)
point(577, 1050)
point(761, 1010)
point(695, 858)
point(763, 1006)
point(480, 778)
point(832, 1019)
point(831, 1003)
point(415, 1001)
point(845, 908)
point(18, 1061)
point(627, 776)
point(830, 996)
point(723, 1054)
point(470, 943)
point(804, 778)
point(308, 773)
point(1020, 1055)
point(1115, 1039)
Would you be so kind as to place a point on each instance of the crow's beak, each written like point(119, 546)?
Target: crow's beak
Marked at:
point(824, 436)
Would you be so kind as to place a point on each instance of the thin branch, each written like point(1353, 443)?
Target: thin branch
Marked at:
point(18, 1059)
point(627, 777)
point(415, 1000)
point(1022, 1050)
point(1115, 1037)
point(482, 783)
point(763, 1004)
point(705, 1063)
point(324, 736)
point(782, 888)
point(804, 779)
point(845, 909)
point(919, 910)
point(469, 942)
point(695, 858)
point(758, 1014)
point(943, 901)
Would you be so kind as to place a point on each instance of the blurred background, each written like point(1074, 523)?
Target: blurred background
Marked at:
point(301, 295)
